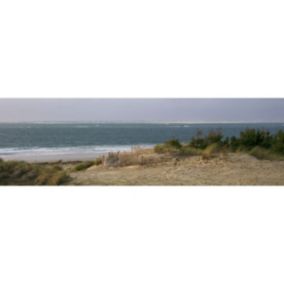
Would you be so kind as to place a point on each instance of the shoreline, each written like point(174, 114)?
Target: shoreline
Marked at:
point(53, 158)
point(79, 154)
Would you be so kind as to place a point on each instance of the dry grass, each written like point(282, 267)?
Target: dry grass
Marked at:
point(210, 151)
point(235, 169)
point(137, 156)
point(264, 154)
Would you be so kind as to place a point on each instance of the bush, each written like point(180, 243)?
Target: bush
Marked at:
point(187, 150)
point(265, 154)
point(84, 165)
point(251, 138)
point(171, 146)
point(51, 178)
point(160, 149)
point(278, 142)
point(201, 142)
point(198, 141)
point(174, 143)
point(234, 143)
point(87, 164)
point(21, 173)
point(248, 140)
point(214, 137)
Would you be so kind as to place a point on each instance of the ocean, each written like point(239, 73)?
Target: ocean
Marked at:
point(26, 140)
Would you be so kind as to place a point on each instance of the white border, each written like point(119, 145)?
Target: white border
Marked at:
point(142, 235)
point(141, 49)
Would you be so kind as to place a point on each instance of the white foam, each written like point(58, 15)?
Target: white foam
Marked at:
point(68, 150)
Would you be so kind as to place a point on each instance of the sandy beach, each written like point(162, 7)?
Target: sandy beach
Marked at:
point(65, 155)
point(51, 158)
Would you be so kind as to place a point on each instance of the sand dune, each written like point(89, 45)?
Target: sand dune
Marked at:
point(230, 169)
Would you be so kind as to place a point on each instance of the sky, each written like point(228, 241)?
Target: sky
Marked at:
point(142, 110)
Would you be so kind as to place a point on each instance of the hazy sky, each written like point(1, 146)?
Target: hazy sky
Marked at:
point(148, 110)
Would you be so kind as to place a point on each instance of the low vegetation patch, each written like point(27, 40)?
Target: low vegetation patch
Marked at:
point(202, 142)
point(188, 150)
point(171, 146)
point(264, 154)
point(87, 164)
point(84, 165)
point(210, 151)
point(22, 173)
point(259, 143)
point(141, 157)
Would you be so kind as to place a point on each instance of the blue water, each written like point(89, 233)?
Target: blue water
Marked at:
point(104, 137)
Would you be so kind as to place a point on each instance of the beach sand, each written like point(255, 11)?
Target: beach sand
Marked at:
point(48, 157)
point(232, 169)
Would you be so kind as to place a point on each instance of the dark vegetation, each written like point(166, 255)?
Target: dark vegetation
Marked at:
point(22, 173)
point(87, 164)
point(84, 165)
point(259, 143)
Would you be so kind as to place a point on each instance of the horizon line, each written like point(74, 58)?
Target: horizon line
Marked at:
point(137, 122)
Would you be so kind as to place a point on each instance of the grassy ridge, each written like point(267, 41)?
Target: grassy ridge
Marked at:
point(259, 143)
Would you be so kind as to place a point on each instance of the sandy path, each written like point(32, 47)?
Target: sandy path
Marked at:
point(234, 169)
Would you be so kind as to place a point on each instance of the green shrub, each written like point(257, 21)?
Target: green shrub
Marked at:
point(265, 154)
point(214, 137)
point(187, 150)
point(58, 178)
point(160, 148)
point(278, 142)
point(198, 141)
point(251, 138)
point(234, 143)
point(21, 173)
point(174, 143)
point(248, 140)
point(84, 165)
point(171, 146)
point(201, 142)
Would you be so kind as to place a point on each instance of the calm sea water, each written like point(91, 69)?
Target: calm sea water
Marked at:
point(28, 138)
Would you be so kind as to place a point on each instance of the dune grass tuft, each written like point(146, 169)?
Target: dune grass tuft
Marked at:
point(210, 151)
point(84, 165)
point(265, 154)
point(22, 173)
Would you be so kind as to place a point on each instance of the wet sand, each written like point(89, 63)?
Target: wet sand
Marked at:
point(43, 158)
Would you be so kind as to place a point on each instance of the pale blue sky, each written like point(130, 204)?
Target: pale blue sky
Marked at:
point(142, 110)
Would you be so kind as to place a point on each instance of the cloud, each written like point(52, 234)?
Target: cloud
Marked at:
point(142, 110)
